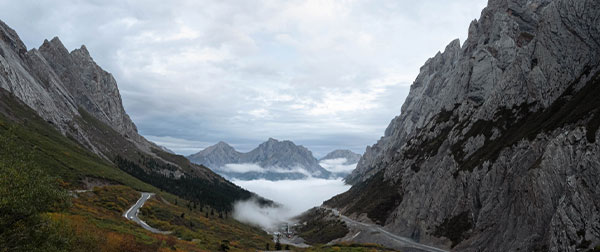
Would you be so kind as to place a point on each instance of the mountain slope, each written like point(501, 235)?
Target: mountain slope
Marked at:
point(95, 214)
point(67, 112)
point(273, 160)
point(73, 94)
point(496, 148)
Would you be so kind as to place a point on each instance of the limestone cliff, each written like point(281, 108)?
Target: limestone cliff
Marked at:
point(59, 84)
point(497, 146)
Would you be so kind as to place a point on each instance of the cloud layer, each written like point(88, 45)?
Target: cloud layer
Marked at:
point(326, 74)
point(297, 195)
point(246, 167)
point(337, 165)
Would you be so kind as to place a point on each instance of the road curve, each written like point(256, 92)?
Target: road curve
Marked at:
point(401, 242)
point(132, 214)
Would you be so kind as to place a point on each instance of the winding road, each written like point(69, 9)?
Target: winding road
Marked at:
point(132, 214)
point(384, 237)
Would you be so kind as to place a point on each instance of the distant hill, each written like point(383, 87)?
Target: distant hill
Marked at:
point(350, 156)
point(340, 162)
point(271, 160)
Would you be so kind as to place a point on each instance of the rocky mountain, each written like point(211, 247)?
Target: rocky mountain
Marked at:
point(74, 95)
point(496, 147)
point(216, 156)
point(272, 160)
point(340, 162)
point(351, 157)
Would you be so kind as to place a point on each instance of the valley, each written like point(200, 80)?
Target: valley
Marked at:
point(493, 143)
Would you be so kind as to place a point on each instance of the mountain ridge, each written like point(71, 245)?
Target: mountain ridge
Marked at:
point(273, 159)
point(74, 95)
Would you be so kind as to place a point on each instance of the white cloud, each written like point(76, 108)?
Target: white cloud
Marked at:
point(266, 217)
point(248, 167)
point(337, 165)
point(242, 168)
point(296, 196)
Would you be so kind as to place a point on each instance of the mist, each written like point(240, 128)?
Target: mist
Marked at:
point(337, 165)
point(249, 167)
point(294, 196)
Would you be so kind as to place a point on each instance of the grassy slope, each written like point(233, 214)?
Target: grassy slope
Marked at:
point(321, 226)
point(200, 183)
point(97, 215)
point(103, 208)
point(55, 153)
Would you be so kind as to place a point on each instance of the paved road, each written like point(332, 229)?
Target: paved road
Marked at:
point(399, 241)
point(132, 214)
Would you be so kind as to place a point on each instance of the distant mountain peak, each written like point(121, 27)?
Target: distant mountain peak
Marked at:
point(222, 144)
point(350, 156)
point(279, 159)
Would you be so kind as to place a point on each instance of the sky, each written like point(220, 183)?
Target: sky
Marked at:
point(324, 74)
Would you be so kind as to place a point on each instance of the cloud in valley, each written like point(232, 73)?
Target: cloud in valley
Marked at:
point(266, 217)
point(295, 196)
point(242, 168)
point(325, 74)
point(337, 165)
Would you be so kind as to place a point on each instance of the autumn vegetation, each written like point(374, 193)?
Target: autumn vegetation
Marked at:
point(40, 210)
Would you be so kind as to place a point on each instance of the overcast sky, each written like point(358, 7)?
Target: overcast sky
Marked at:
point(324, 74)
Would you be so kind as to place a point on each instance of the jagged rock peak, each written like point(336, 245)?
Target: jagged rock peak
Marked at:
point(54, 45)
point(82, 53)
point(10, 37)
point(57, 84)
point(268, 155)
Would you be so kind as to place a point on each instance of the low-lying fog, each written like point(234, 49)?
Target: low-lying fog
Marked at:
point(296, 196)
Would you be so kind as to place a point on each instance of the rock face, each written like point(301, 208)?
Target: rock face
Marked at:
point(59, 85)
point(497, 145)
point(81, 100)
point(272, 160)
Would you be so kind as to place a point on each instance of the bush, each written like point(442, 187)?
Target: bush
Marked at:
point(26, 194)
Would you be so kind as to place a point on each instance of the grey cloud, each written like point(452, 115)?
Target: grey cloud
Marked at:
point(193, 73)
